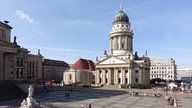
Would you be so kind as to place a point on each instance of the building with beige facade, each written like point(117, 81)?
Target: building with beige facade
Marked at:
point(121, 65)
point(53, 69)
point(16, 62)
point(163, 68)
point(80, 73)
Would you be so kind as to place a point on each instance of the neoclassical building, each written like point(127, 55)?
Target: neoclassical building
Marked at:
point(16, 62)
point(122, 65)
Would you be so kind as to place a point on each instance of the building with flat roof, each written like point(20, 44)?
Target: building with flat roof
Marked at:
point(163, 68)
point(53, 69)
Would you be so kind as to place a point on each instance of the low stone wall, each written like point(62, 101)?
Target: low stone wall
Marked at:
point(23, 86)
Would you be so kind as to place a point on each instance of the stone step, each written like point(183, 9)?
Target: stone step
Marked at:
point(10, 91)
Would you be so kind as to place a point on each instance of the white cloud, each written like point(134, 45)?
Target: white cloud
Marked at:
point(24, 16)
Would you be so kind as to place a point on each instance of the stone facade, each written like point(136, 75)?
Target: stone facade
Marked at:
point(121, 66)
point(17, 63)
point(53, 69)
point(163, 68)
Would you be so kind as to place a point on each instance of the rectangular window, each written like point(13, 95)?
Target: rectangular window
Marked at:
point(119, 80)
point(126, 80)
point(70, 76)
point(122, 46)
point(33, 65)
point(136, 71)
point(136, 80)
point(21, 62)
point(2, 34)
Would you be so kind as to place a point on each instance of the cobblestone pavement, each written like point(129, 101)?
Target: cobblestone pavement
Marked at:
point(107, 98)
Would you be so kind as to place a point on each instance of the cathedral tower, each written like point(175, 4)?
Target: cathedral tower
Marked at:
point(121, 35)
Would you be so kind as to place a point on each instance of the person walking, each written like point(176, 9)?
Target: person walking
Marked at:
point(89, 105)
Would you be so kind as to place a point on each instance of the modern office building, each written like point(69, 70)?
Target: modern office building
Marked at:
point(53, 69)
point(81, 73)
point(16, 62)
point(163, 68)
point(121, 65)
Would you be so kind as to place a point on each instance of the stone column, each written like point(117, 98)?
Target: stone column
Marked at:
point(131, 44)
point(130, 78)
point(109, 76)
point(115, 77)
point(119, 43)
point(96, 76)
point(125, 43)
point(122, 76)
point(114, 43)
point(103, 76)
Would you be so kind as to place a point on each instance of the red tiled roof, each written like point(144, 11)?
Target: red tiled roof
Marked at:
point(49, 62)
point(84, 64)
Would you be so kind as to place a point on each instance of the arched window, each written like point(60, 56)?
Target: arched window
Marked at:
point(70, 76)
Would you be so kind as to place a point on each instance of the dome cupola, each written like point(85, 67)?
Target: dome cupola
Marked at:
point(121, 16)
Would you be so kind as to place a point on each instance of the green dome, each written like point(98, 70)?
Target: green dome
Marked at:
point(121, 17)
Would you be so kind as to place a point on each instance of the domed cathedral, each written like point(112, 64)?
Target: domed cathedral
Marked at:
point(122, 65)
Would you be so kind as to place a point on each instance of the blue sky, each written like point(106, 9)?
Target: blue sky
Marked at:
point(71, 29)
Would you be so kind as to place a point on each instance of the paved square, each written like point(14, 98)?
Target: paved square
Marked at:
point(106, 98)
